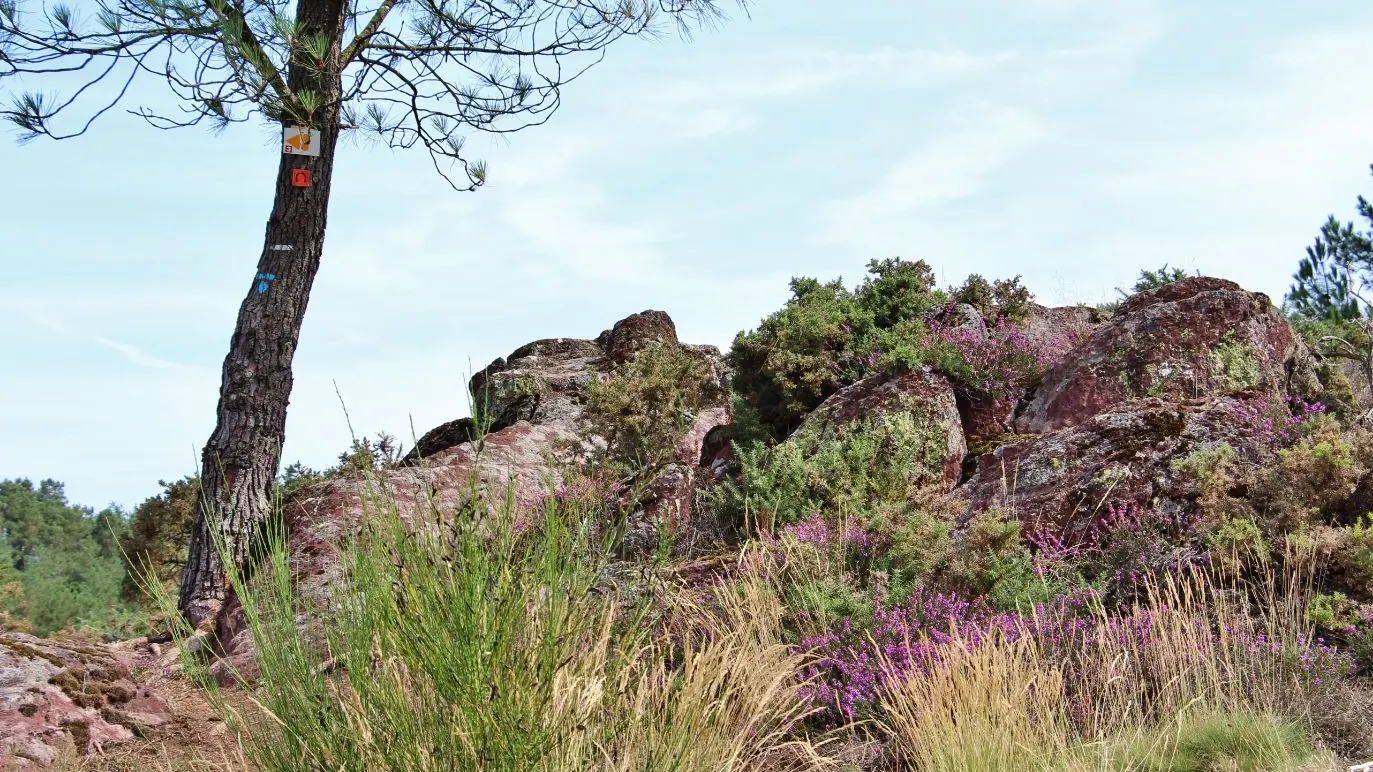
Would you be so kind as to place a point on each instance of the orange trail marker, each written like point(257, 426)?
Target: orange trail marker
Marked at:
point(298, 140)
point(300, 178)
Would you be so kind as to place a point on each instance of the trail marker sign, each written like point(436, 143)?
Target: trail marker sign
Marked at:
point(298, 140)
point(300, 178)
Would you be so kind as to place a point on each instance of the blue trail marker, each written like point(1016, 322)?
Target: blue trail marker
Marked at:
point(264, 278)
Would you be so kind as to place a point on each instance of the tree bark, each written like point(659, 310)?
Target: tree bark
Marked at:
point(240, 460)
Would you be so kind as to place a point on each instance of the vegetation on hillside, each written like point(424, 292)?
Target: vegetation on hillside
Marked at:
point(853, 614)
point(861, 624)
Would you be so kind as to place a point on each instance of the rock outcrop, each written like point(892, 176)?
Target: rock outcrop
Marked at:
point(57, 697)
point(535, 399)
point(1176, 370)
point(1194, 338)
point(1062, 480)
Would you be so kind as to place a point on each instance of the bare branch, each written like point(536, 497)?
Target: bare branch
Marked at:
point(351, 52)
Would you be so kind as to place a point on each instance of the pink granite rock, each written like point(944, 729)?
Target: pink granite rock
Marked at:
point(1193, 338)
point(58, 696)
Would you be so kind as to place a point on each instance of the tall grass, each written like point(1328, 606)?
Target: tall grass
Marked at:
point(1198, 676)
point(495, 642)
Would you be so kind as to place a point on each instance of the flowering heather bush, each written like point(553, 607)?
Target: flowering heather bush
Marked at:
point(1002, 362)
point(854, 663)
point(1161, 654)
point(853, 539)
point(1280, 427)
point(1121, 548)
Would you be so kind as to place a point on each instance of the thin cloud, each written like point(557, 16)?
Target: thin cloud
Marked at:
point(728, 99)
point(137, 356)
point(565, 229)
point(951, 167)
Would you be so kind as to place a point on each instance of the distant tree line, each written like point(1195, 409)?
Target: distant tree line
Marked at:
point(65, 568)
point(60, 564)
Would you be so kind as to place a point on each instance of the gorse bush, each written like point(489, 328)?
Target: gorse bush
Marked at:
point(793, 360)
point(1003, 300)
point(855, 467)
point(1157, 278)
point(369, 455)
point(828, 336)
point(642, 410)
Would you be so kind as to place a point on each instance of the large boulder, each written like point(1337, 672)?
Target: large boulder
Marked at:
point(1190, 339)
point(59, 697)
point(542, 383)
point(536, 399)
point(1061, 481)
point(921, 395)
point(632, 334)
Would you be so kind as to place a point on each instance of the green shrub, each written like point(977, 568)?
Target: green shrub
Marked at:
point(828, 600)
point(833, 468)
point(159, 531)
point(826, 337)
point(643, 410)
point(1152, 280)
point(1361, 534)
point(911, 542)
point(364, 455)
point(1314, 473)
point(1234, 365)
point(1238, 536)
point(1332, 611)
point(1005, 299)
point(897, 290)
point(990, 560)
point(791, 362)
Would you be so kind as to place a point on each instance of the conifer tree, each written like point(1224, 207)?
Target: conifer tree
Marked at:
point(415, 73)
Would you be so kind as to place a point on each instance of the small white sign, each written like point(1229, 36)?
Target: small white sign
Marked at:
point(298, 140)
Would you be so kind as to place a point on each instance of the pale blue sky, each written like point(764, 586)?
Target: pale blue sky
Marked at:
point(1072, 142)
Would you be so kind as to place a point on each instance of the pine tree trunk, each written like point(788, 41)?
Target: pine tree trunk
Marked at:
point(240, 460)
